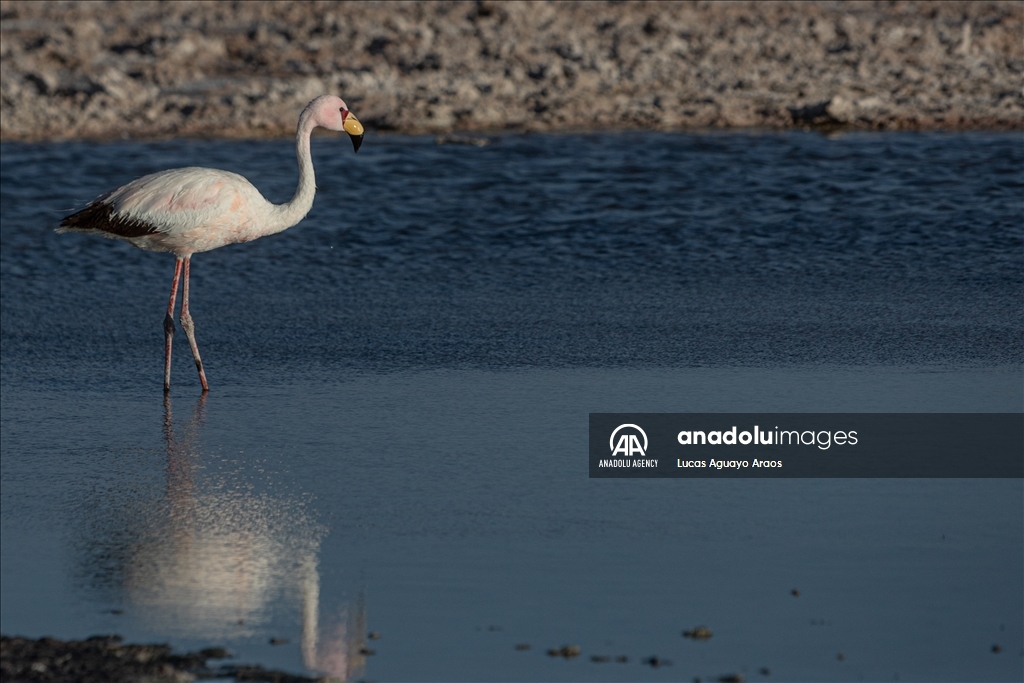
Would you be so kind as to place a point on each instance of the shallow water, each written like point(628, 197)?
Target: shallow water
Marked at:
point(395, 438)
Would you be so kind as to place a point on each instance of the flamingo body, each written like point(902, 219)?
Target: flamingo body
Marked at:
point(182, 211)
point(190, 210)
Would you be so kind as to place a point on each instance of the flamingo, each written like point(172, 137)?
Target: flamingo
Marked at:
point(190, 210)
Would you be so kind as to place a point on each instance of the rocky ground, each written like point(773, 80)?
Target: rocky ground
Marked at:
point(243, 69)
point(103, 659)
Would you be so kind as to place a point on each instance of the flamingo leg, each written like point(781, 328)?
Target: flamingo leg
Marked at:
point(169, 325)
point(190, 328)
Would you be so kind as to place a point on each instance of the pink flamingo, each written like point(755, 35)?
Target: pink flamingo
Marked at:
point(189, 210)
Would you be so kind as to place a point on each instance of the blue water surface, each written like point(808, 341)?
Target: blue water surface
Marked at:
point(395, 439)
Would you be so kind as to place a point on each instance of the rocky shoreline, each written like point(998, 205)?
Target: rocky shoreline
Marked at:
point(102, 70)
point(103, 659)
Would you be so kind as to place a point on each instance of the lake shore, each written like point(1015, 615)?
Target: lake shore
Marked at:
point(104, 659)
point(152, 70)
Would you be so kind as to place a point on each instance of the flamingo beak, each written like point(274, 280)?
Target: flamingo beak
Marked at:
point(354, 129)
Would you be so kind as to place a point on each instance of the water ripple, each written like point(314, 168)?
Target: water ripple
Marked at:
point(597, 249)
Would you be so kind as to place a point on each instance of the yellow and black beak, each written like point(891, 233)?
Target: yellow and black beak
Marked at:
point(354, 129)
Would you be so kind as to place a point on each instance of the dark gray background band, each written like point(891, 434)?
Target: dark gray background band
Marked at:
point(908, 445)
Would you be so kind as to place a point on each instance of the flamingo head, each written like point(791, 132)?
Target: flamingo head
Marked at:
point(332, 113)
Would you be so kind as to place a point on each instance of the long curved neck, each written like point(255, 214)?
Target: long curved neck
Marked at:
point(290, 213)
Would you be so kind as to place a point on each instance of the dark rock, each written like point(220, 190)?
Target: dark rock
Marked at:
point(654, 662)
point(813, 114)
point(104, 659)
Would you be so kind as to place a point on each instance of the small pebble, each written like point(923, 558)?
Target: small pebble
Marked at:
point(493, 628)
point(622, 659)
point(840, 656)
point(570, 651)
point(600, 659)
point(374, 635)
point(215, 653)
point(698, 633)
point(997, 648)
point(367, 651)
point(654, 662)
point(731, 678)
point(795, 592)
point(765, 671)
point(522, 646)
point(279, 641)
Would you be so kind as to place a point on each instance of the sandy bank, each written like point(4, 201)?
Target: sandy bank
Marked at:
point(113, 69)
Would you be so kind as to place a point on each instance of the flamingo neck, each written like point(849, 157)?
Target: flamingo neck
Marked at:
point(292, 212)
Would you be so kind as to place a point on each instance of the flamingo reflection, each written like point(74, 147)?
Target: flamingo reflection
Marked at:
point(220, 559)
